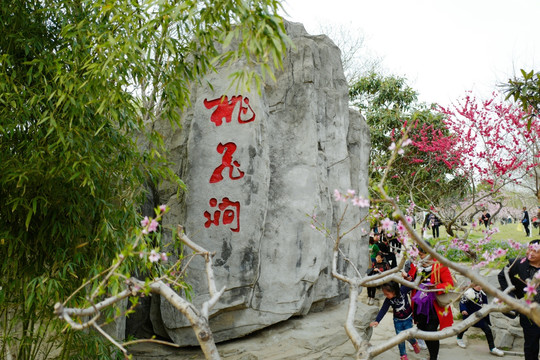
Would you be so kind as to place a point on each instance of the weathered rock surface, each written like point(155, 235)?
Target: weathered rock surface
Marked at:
point(255, 165)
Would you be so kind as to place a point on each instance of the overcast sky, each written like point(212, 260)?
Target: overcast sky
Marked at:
point(443, 47)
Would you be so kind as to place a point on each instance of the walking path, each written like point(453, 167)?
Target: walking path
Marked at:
point(312, 337)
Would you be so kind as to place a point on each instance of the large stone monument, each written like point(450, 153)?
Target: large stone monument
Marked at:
point(255, 164)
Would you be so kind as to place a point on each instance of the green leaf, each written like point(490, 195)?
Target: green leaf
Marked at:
point(28, 218)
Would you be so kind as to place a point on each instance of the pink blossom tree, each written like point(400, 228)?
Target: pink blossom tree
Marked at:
point(494, 141)
point(488, 143)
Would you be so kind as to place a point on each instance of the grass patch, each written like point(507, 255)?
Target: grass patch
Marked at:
point(506, 232)
point(500, 239)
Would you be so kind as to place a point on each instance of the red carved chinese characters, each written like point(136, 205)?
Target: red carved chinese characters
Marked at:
point(230, 210)
point(225, 109)
point(226, 162)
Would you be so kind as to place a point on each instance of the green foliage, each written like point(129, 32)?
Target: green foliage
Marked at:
point(384, 101)
point(391, 107)
point(89, 346)
point(525, 90)
point(80, 85)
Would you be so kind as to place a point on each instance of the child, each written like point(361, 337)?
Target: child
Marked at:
point(379, 266)
point(472, 301)
point(397, 298)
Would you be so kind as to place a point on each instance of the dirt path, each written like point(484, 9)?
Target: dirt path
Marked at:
point(314, 336)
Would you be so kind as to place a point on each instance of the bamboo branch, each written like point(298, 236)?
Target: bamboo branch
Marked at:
point(199, 319)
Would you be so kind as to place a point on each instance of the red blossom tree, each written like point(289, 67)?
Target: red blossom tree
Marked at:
point(486, 142)
point(495, 144)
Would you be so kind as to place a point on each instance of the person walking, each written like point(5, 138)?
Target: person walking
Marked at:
point(384, 248)
point(485, 218)
point(396, 297)
point(435, 224)
point(427, 313)
point(519, 270)
point(472, 300)
point(525, 221)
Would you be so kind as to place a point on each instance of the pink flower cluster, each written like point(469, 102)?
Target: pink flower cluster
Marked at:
point(350, 195)
point(531, 289)
point(149, 225)
point(494, 255)
point(155, 257)
point(534, 247)
point(490, 257)
point(514, 244)
point(387, 225)
point(492, 129)
point(413, 252)
point(460, 245)
point(406, 142)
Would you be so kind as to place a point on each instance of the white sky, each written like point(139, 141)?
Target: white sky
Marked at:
point(443, 47)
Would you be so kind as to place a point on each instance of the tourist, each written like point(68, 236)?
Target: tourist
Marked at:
point(519, 270)
point(373, 250)
point(485, 218)
point(388, 251)
point(427, 313)
point(402, 310)
point(525, 221)
point(405, 271)
point(472, 300)
point(395, 249)
point(435, 223)
point(379, 266)
point(537, 222)
point(426, 224)
point(384, 248)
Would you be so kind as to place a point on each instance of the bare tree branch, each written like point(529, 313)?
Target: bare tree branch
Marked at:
point(199, 319)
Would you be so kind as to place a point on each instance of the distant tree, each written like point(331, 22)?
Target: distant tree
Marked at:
point(498, 147)
point(80, 83)
point(423, 175)
point(355, 56)
point(526, 91)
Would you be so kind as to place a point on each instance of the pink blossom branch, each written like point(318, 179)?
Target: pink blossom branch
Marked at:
point(435, 335)
point(532, 310)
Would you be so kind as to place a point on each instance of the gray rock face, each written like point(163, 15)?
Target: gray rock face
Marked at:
point(507, 332)
point(255, 163)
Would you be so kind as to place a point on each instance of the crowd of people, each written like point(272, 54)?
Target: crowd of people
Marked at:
point(432, 223)
point(421, 306)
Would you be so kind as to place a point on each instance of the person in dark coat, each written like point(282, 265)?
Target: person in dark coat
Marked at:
point(397, 298)
point(472, 300)
point(485, 218)
point(519, 270)
point(379, 266)
point(525, 221)
point(384, 248)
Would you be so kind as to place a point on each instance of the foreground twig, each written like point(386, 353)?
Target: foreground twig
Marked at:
point(197, 318)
